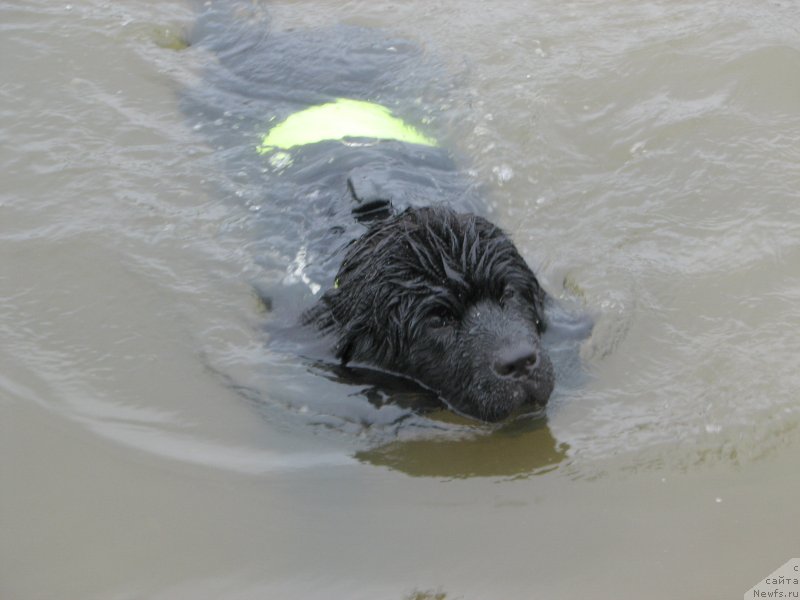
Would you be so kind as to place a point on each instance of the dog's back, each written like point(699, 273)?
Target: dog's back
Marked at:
point(378, 216)
point(316, 198)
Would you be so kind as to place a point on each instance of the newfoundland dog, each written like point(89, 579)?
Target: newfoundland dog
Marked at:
point(418, 283)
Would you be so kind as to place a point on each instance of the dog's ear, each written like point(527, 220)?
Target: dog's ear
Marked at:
point(321, 315)
point(344, 351)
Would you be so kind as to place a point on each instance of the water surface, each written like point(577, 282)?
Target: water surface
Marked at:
point(644, 156)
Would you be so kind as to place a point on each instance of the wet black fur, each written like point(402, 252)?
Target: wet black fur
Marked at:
point(446, 299)
point(437, 295)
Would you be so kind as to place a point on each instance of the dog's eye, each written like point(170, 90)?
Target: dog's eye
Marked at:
point(508, 294)
point(440, 317)
point(540, 325)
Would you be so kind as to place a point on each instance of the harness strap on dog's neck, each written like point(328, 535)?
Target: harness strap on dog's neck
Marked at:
point(343, 118)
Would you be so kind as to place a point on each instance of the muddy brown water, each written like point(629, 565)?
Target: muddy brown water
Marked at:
point(646, 158)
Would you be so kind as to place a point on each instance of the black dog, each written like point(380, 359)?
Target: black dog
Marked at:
point(426, 289)
point(446, 299)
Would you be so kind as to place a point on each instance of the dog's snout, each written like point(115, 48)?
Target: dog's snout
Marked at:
point(518, 362)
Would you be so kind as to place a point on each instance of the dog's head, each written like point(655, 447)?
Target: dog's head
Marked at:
point(446, 299)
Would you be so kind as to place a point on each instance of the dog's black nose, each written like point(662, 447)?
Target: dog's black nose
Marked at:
point(516, 362)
